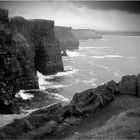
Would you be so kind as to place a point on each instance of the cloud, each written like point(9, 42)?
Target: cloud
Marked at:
point(71, 14)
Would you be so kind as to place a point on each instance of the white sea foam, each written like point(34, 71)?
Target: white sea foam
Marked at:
point(107, 56)
point(57, 86)
point(67, 72)
point(42, 81)
point(60, 97)
point(98, 57)
point(24, 95)
point(111, 56)
point(91, 47)
point(72, 53)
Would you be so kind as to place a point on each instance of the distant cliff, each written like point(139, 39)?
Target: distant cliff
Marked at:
point(66, 38)
point(45, 48)
point(26, 46)
point(84, 34)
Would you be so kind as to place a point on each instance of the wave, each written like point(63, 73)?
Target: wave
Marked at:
point(60, 97)
point(42, 81)
point(67, 72)
point(24, 95)
point(107, 56)
point(86, 48)
point(111, 56)
point(72, 53)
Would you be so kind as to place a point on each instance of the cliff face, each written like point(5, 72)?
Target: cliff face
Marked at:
point(15, 71)
point(45, 55)
point(66, 38)
point(25, 47)
point(84, 34)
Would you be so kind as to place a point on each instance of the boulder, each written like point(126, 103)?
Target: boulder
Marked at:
point(92, 99)
point(138, 85)
point(64, 53)
point(128, 85)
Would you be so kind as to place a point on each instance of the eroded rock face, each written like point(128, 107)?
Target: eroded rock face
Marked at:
point(66, 38)
point(138, 85)
point(45, 48)
point(15, 71)
point(128, 85)
point(92, 99)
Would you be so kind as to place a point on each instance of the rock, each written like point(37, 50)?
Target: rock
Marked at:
point(4, 16)
point(84, 34)
point(44, 48)
point(66, 38)
point(70, 111)
point(72, 120)
point(92, 99)
point(64, 53)
point(128, 85)
point(48, 110)
point(114, 86)
point(138, 85)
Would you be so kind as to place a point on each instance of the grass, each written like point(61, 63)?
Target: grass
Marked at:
point(118, 120)
point(107, 123)
point(124, 126)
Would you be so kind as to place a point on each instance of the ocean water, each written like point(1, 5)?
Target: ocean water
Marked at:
point(94, 63)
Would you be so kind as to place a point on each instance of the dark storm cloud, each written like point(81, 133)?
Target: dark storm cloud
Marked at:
point(129, 6)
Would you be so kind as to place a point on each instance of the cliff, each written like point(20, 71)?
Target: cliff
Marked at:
point(66, 38)
point(26, 46)
point(45, 48)
point(16, 72)
point(84, 34)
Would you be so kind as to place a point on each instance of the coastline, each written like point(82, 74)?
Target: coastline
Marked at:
point(83, 104)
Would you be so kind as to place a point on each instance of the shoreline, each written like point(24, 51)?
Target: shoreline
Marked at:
point(48, 120)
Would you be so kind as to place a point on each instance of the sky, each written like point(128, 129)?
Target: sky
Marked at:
point(98, 15)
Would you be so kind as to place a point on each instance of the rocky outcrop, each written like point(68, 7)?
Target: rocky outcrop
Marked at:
point(66, 38)
point(45, 48)
point(84, 34)
point(15, 71)
point(64, 53)
point(138, 85)
point(128, 85)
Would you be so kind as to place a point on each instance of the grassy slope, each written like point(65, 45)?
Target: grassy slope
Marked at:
point(106, 123)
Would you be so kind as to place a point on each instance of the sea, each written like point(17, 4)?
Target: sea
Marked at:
point(94, 63)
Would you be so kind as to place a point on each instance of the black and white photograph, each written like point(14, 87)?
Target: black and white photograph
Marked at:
point(69, 69)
